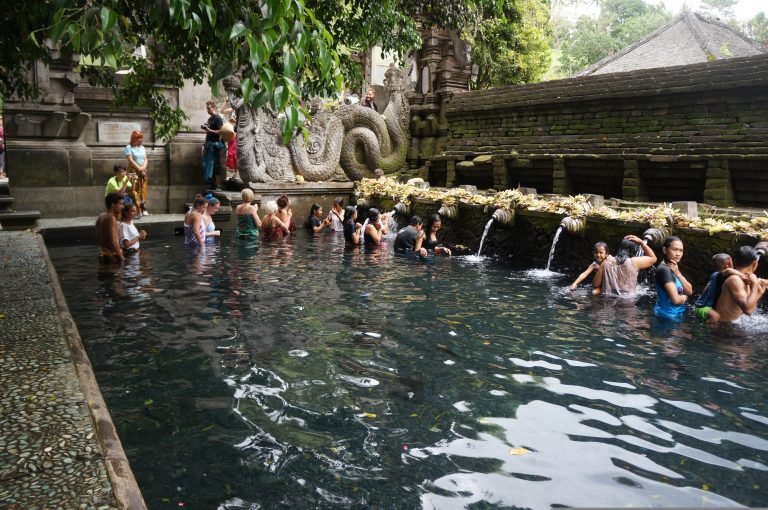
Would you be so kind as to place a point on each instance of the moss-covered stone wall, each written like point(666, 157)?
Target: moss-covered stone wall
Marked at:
point(697, 132)
point(526, 243)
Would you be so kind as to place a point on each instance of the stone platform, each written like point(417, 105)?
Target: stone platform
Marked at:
point(58, 446)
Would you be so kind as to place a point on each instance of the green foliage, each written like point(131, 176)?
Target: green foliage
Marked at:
point(620, 24)
point(510, 42)
point(278, 46)
point(719, 8)
point(757, 29)
point(283, 50)
point(17, 50)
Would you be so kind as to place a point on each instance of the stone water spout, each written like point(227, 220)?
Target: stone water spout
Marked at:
point(574, 226)
point(762, 249)
point(504, 216)
point(656, 235)
point(449, 211)
point(402, 209)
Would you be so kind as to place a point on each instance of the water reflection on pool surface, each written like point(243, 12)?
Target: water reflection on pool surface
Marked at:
point(300, 374)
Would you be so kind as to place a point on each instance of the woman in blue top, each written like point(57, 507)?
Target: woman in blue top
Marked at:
point(137, 164)
point(672, 289)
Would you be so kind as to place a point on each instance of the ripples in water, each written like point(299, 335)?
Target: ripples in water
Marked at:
point(302, 374)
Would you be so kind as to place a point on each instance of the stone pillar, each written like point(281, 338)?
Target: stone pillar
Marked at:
point(687, 208)
point(632, 186)
point(450, 173)
point(499, 174)
point(561, 184)
point(718, 188)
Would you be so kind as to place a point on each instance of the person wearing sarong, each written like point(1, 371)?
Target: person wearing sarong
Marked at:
point(617, 275)
point(137, 165)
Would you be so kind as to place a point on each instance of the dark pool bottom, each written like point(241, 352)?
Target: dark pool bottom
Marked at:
point(298, 374)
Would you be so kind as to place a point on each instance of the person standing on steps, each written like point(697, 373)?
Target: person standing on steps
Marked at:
point(212, 147)
point(137, 165)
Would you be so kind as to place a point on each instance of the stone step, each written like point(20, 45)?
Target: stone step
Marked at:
point(5, 189)
point(18, 220)
point(6, 203)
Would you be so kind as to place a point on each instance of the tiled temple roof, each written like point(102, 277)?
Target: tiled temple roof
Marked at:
point(689, 38)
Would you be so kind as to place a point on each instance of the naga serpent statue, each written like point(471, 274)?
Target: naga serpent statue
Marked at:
point(349, 143)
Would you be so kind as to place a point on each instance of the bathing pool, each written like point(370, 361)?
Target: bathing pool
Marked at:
point(298, 374)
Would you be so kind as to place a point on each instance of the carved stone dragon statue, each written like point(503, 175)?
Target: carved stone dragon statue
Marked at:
point(352, 140)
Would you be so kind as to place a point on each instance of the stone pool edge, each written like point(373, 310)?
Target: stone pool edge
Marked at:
point(125, 488)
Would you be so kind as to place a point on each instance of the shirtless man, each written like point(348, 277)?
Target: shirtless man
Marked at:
point(107, 230)
point(739, 297)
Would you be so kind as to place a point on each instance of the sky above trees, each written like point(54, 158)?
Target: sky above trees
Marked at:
point(743, 10)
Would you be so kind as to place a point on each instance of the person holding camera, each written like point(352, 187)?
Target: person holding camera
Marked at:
point(212, 147)
point(120, 183)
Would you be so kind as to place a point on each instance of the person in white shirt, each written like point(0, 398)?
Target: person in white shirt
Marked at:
point(130, 236)
point(337, 215)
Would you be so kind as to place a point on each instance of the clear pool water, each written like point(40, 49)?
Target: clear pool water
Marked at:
point(303, 375)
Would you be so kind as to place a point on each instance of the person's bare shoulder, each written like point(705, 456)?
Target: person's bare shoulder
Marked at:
point(734, 282)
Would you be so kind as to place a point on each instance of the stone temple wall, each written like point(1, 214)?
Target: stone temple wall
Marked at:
point(61, 149)
point(697, 132)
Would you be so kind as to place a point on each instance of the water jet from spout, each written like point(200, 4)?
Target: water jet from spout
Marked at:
point(485, 233)
point(554, 243)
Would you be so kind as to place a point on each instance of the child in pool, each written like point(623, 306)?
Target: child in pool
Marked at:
point(705, 305)
point(599, 253)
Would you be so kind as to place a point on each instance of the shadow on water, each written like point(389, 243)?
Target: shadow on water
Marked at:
point(300, 373)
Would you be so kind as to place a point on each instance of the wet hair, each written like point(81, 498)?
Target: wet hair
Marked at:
point(270, 207)
point(668, 242)
point(416, 220)
point(315, 207)
point(627, 249)
point(136, 136)
point(129, 209)
point(339, 200)
point(744, 256)
point(599, 245)
point(247, 195)
point(212, 200)
point(349, 212)
point(117, 168)
point(433, 218)
point(720, 259)
point(373, 214)
point(112, 198)
point(199, 200)
point(283, 201)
